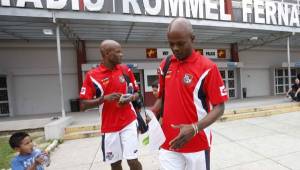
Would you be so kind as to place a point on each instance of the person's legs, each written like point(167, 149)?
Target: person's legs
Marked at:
point(170, 160)
point(112, 149)
point(297, 98)
point(134, 164)
point(129, 140)
point(198, 160)
point(117, 165)
point(292, 95)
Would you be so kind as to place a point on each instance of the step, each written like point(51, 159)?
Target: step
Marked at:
point(80, 135)
point(228, 117)
point(261, 108)
point(92, 130)
point(80, 128)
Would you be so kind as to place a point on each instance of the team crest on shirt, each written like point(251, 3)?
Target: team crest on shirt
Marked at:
point(121, 78)
point(105, 81)
point(168, 75)
point(187, 78)
point(109, 156)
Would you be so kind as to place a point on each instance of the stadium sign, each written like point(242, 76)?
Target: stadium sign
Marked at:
point(253, 11)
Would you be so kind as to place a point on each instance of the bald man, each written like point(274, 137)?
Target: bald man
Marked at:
point(191, 85)
point(103, 88)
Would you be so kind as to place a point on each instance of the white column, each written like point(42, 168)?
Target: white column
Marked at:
point(60, 71)
point(289, 60)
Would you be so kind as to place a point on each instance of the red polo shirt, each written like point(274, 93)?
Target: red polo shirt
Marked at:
point(191, 87)
point(102, 81)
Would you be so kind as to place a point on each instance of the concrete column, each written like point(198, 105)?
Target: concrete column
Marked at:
point(63, 112)
point(234, 50)
point(81, 59)
point(289, 60)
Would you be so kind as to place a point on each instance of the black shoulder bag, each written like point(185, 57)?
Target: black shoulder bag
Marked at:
point(137, 104)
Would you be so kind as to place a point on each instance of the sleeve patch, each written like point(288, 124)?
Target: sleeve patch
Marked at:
point(83, 91)
point(223, 91)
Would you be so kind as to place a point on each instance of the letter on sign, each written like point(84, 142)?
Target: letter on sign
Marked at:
point(150, 10)
point(56, 4)
point(90, 6)
point(36, 3)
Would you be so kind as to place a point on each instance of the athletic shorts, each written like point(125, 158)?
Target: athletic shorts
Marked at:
point(120, 145)
point(170, 160)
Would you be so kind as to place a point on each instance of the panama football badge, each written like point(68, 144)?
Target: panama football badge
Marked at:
point(122, 79)
point(187, 79)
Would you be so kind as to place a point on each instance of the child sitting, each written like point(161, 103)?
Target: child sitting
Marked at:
point(28, 158)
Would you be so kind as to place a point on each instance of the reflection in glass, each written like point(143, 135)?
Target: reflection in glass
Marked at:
point(293, 72)
point(3, 82)
point(3, 95)
point(280, 89)
point(231, 83)
point(280, 72)
point(230, 74)
point(231, 93)
point(4, 109)
point(222, 72)
point(280, 81)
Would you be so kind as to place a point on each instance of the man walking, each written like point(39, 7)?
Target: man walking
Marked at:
point(106, 87)
point(190, 86)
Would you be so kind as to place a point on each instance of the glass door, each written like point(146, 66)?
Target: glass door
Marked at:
point(282, 79)
point(4, 104)
point(229, 78)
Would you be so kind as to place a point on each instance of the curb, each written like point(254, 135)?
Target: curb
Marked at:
point(83, 134)
point(231, 117)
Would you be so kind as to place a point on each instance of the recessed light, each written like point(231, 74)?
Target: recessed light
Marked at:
point(253, 38)
point(47, 31)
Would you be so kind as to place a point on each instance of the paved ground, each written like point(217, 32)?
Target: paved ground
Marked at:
point(265, 143)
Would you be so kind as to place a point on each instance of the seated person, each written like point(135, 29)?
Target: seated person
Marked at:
point(294, 92)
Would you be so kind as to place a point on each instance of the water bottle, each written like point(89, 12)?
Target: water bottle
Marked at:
point(130, 89)
point(46, 159)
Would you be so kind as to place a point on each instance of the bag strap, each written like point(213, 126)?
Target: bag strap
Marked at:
point(165, 71)
point(127, 79)
point(125, 75)
point(166, 66)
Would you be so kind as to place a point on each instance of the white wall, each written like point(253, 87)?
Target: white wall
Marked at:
point(256, 75)
point(40, 93)
point(257, 82)
point(266, 57)
point(34, 71)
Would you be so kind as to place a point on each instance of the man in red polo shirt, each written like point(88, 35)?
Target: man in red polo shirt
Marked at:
point(194, 96)
point(105, 86)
